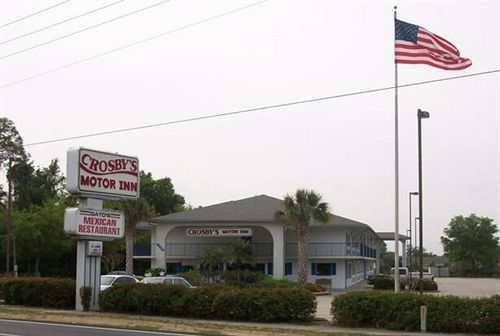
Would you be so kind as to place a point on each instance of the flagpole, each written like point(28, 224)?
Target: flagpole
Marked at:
point(396, 168)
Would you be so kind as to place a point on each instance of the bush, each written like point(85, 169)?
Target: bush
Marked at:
point(413, 284)
point(40, 292)
point(401, 311)
point(383, 282)
point(243, 277)
point(85, 297)
point(214, 301)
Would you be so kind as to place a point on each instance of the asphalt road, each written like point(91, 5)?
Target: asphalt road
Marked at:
point(28, 328)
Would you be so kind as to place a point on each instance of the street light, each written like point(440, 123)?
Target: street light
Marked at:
point(421, 115)
point(411, 193)
point(416, 245)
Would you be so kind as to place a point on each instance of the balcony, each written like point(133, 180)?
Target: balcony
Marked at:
point(192, 250)
point(198, 250)
point(333, 250)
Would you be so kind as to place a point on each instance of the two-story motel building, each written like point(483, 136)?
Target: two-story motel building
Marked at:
point(342, 252)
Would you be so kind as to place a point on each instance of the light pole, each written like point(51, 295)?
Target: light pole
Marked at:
point(410, 255)
point(416, 245)
point(421, 115)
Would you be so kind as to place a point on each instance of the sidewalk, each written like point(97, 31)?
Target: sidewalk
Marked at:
point(158, 323)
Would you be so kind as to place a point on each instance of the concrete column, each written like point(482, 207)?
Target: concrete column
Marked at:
point(278, 233)
point(404, 254)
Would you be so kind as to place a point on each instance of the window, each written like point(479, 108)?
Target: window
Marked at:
point(173, 268)
point(270, 268)
point(288, 268)
point(349, 270)
point(324, 269)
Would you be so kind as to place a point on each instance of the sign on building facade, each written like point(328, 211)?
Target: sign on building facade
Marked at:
point(219, 232)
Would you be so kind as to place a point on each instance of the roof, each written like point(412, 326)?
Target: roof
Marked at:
point(253, 209)
point(390, 236)
point(261, 208)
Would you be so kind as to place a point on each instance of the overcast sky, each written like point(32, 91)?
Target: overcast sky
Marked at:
point(270, 53)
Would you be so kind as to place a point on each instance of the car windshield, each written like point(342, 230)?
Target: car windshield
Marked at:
point(152, 280)
point(107, 280)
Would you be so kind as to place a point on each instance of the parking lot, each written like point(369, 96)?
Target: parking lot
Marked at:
point(471, 287)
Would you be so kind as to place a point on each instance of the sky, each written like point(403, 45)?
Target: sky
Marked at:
point(270, 53)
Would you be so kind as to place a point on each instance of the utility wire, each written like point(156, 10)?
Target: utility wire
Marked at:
point(132, 44)
point(84, 29)
point(33, 14)
point(256, 109)
point(61, 22)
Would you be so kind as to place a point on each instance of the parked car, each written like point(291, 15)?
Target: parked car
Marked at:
point(112, 280)
point(168, 280)
point(404, 273)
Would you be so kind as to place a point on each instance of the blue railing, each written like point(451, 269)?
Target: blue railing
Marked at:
point(264, 249)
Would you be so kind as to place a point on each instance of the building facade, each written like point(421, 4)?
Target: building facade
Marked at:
point(342, 252)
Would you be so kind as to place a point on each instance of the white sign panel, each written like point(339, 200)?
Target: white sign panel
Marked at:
point(219, 232)
point(94, 248)
point(94, 224)
point(98, 174)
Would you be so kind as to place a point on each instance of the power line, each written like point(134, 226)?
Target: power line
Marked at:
point(256, 109)
point(84, 29)
point(132, 44)
point(61, 22)
point(35, 13)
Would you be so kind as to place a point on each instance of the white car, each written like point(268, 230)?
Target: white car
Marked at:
point(168, 280)
point(113, 280)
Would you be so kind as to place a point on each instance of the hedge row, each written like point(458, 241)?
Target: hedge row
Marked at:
point(214, 302)
point(401, 311)
point(40, 292)
point(384, 282)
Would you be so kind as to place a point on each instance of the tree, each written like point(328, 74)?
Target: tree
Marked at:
point(135, 211)
point(161, 194)
point(212, 258)
point(472, 240)
point(40, 236)
point(298, 212)
point(35, 187)
point(239, 253)
point(11, 151)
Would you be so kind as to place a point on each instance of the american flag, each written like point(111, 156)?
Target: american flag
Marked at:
point(417, 45)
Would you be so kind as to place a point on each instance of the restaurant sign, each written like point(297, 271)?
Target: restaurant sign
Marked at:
point(219, 232)
point(94, 224)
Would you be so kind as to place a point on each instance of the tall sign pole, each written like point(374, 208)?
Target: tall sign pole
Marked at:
point(94, 176)
point(396, 170)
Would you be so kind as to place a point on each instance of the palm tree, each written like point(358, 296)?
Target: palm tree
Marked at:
point(298, 212)
point(135, 211)
point(240, 252)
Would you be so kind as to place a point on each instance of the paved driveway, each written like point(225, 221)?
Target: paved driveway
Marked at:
point(471, 287)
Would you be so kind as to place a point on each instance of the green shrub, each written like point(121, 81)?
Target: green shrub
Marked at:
point(242, 277)
point(401, 311)
point(383, 282)
point(40, 292)
point(85, 297)
point(413, 284)
point(214, 301)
